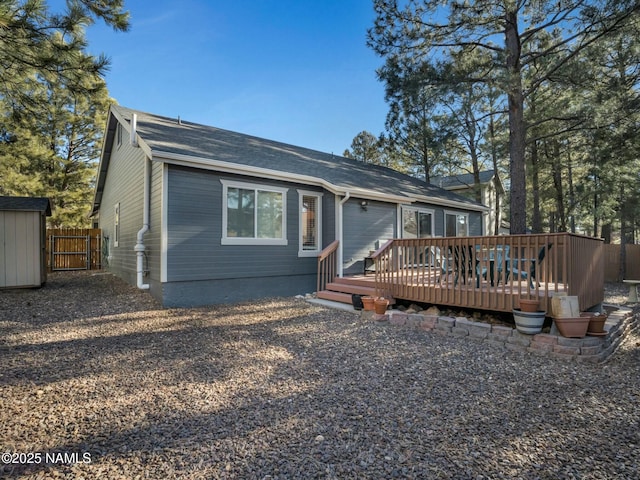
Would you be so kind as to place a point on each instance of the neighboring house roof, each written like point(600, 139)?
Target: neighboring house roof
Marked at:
point(27, 204)
point(465, 180)
point(184, 143)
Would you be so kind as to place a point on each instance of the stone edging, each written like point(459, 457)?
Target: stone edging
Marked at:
point(585, 350)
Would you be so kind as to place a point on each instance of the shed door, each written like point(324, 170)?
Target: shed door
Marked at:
point(20, 252)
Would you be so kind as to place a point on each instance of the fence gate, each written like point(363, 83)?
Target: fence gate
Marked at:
point(74, 249)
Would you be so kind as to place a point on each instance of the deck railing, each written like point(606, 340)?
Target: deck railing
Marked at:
point(493, 272)
point(327, 265)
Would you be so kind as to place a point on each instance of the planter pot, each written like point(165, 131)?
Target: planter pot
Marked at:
point(596, 321)
point(356, 301)
point(527, 305)
point(381, 305)
point(529, 323)
point(575, 327)
point(367, 303)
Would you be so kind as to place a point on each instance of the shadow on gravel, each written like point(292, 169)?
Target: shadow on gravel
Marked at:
point(247, 391)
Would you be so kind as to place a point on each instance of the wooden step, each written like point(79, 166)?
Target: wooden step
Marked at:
point(334, 296)
point(349, 288)
point(341, 297)
point(361, 281)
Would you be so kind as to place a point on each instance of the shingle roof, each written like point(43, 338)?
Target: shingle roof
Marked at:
point(171, 136)
point(462, 180)
point(33, 204)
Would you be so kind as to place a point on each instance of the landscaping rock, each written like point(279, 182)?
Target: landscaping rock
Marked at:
point(96, 369)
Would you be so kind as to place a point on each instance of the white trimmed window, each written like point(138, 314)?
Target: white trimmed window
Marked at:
point(253, 214)
point(310, 208)
point(456, 224)
point(417, 222)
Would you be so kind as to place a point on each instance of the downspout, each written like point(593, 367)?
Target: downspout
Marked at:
point(139, 247)
point(341, 235)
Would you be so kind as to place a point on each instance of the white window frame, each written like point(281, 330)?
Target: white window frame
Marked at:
point(457, 214)
point(116, 224)
point(226, 184)
point(318, 249)
point(412, 208)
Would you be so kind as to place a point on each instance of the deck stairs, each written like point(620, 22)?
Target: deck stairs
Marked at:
point(341, 289)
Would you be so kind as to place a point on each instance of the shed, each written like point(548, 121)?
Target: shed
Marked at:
point(23, 231)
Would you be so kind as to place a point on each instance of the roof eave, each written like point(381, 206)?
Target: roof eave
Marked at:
point(445, 202)
point(114, 117)
point(260, 172)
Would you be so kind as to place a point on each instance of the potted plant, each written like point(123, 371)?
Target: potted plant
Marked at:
point(572, 327)
point(529, 323)
point(356, 301)
point(381, 305)
point(529, 305)
point(596, 322)
point(367, 303)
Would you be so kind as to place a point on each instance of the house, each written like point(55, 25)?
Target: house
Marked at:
point(491, 194)
point(23, 230)
point(199, 215)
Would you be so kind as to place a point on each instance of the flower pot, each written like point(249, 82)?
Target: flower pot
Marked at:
point(381, 305)
point(572, 327)
point(356, 301)
point(528, 305)
point(367, 303)
point(596, 321)
point(529, 323)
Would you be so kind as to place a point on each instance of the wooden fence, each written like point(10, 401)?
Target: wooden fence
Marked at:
point(612, 262)
point(74, 249)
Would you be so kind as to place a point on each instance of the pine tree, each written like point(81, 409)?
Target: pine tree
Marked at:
point(506, 34)
point(53, 102)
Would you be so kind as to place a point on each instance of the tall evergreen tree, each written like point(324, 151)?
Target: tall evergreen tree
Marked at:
point(53, 102)
point(506, 34)
point(366, 148)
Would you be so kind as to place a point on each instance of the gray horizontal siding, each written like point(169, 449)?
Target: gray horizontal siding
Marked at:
point(231, 290)
point(125, 185)
point(153, 237)
point(194, 233)
point(328, 219)
point(365, 229)
point(475, 224)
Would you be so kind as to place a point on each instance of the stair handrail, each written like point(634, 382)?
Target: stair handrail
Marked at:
point(327, 265)
point(382, 259)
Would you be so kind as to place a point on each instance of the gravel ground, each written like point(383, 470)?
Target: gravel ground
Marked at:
point(98, 381)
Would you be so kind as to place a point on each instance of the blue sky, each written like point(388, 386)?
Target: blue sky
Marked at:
point(296, 71)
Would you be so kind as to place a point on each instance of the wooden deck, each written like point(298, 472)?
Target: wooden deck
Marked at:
point(494, 275)
point(503, 299)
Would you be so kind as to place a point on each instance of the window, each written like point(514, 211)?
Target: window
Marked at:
point(417, 223)
point(310, 207)
point(253, 214)
point(456, 224)
point(116, 225)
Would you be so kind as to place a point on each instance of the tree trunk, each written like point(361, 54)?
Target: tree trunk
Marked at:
point(596, 186)
point(557, 183)
point(606, 232)
point(536, 219)
point(572, 194)
point(623, 237)
point(517, 132)
point(494, 160)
